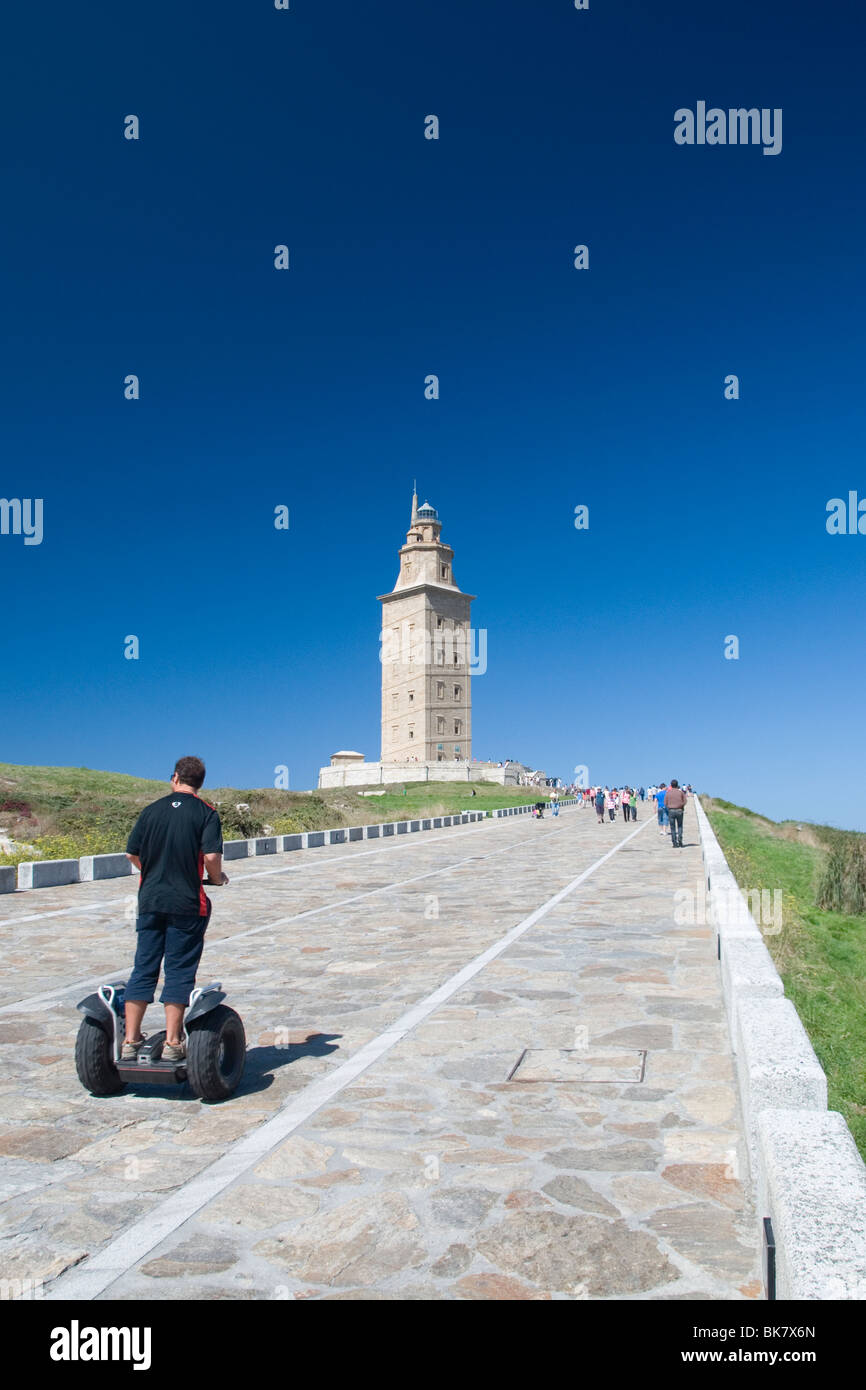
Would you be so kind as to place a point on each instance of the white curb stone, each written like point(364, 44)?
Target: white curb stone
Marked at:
point(776, 1063)
point(748, 972)
point(47, 873)
point(813, 1181)
point(94, 867)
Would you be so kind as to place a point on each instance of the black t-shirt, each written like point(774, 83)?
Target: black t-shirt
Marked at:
point(171, 838)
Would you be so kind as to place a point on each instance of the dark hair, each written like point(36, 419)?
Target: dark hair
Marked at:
point(675, 783)
point(190, 771)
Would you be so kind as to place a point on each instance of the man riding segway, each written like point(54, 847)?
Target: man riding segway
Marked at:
point(172, 842)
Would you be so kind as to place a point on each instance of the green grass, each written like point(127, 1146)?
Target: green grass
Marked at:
point(64, 812)
point(820, 954)
point(446, 798)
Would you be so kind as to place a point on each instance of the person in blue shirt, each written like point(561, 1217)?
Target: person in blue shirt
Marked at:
point(664, 821)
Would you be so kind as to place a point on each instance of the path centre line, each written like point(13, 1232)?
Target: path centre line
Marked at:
point(94, 1275)
point(35, 1000)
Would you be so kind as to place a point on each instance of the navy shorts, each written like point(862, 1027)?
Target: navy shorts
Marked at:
point(179, 937)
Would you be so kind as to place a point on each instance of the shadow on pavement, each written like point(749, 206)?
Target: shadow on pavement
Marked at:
point(262, 1062)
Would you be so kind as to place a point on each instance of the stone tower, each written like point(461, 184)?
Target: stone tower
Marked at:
point(426, 701)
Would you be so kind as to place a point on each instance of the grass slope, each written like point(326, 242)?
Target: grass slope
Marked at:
point(64, 812)
point(820, 955)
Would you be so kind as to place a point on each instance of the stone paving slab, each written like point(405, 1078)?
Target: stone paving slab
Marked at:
point(432, 1175)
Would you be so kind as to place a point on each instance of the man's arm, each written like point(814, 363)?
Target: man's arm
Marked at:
point(214, 865)
point(134, 859)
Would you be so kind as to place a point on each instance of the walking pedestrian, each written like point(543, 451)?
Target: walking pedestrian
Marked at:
point(662, 810)
point(610, 803)
point(633, 803)
point(675, 803)
point(599, 805)
point(626, 805)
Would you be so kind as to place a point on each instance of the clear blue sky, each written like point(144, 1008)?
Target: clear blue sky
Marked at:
point(558, 387)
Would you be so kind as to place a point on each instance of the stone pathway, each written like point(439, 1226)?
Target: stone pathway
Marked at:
point(565, 1125)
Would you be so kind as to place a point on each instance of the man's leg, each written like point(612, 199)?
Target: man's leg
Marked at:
point(174, 1023)
point(184, 943)
point(133, 1012)
point(141, 985)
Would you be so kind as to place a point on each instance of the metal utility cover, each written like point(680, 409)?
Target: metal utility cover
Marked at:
point(598, 1065)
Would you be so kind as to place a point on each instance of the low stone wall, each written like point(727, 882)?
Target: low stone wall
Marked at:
point(92, 867)
point(809, 1177)
point(52, 873)
point(48, 873)
point(386, 774)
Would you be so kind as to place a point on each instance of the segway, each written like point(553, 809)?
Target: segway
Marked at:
point(215, 1046)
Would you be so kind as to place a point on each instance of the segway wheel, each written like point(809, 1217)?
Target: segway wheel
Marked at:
point(215, 1054)
point(94, 1060)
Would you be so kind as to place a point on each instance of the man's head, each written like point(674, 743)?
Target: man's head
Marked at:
point(675, 783)
point(188, 772)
